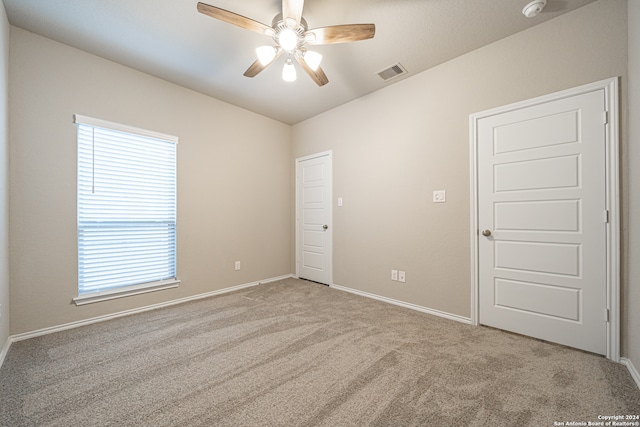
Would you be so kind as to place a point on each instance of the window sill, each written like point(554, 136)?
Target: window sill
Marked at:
point(125, 292)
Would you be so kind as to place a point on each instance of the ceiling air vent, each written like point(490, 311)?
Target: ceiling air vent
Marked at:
point(393, 71)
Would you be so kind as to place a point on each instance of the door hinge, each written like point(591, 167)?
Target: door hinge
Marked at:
point(605, 217)
point(606, 117)
point(606, 315)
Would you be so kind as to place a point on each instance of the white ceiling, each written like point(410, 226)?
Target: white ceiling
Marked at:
point(171, 40)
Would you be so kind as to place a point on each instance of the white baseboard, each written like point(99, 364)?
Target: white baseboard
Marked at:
point(275, 279)
point(632, 370)
point(59, 328)
point(432, 311)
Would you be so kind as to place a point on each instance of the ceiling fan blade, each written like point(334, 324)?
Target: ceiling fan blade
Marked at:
point(257, 67)
point(292, 9)
point(342, 33)
point(317, 76)
point(232, 18)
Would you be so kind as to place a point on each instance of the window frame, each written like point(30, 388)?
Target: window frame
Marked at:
point(126, 290)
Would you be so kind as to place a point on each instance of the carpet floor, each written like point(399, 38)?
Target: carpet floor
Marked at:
point(294, 353)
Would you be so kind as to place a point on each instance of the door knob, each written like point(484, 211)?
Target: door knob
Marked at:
point(486, 233)
point(325, 226)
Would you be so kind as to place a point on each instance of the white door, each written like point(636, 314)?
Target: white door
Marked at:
point(313, 217)
point(541, 196)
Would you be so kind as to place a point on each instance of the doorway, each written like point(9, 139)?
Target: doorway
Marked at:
point(314, 228)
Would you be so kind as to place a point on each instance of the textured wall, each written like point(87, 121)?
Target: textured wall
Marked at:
point(631, 338)
point(233, 180)
point(4, 175)
point(394, 147)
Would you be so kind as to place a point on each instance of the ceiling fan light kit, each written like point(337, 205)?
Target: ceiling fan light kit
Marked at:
point(289, 71)
point(288, 39)
point(290, 32)
point(313, 59)
point(266, 54)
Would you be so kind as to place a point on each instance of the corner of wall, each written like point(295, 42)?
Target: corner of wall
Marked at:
point(4, 187)
point(632, 316)
point(632, 370)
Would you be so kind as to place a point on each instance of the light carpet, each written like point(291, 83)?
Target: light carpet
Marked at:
point(294, 353)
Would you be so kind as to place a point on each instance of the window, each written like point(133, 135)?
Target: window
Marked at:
point(126, 210)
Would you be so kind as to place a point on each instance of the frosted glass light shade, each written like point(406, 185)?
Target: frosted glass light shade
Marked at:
point(289, 72)
point(266, 54)
point(288, 39)
point(312, 59)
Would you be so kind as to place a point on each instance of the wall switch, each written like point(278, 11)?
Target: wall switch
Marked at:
point(339, 201)
point(394, 275)
point(237, 265)
point(439, 196)
point(401, 276)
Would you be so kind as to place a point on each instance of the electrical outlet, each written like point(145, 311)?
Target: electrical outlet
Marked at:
point(402, 276)
point(439, 196)
point(394, 275)
point(237, 265)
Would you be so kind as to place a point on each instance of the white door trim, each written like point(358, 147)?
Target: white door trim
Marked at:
point(330, 216)
point(610, 87)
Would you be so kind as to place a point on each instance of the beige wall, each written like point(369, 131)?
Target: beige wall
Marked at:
point(4, 175)
point(391, 149)
point(233, 180)
point(631, 339)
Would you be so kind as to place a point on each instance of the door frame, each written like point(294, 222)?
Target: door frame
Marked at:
point(299, 160)
point(612, 196)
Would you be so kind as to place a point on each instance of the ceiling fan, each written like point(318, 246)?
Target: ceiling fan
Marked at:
point(291, 35)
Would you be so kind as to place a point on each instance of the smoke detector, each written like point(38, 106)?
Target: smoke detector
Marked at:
point(534, 8)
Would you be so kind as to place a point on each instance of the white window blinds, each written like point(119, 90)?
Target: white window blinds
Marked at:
point(126, 206)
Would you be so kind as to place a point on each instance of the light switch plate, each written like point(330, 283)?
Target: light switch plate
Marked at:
point(439, 196)
point(339, 201)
